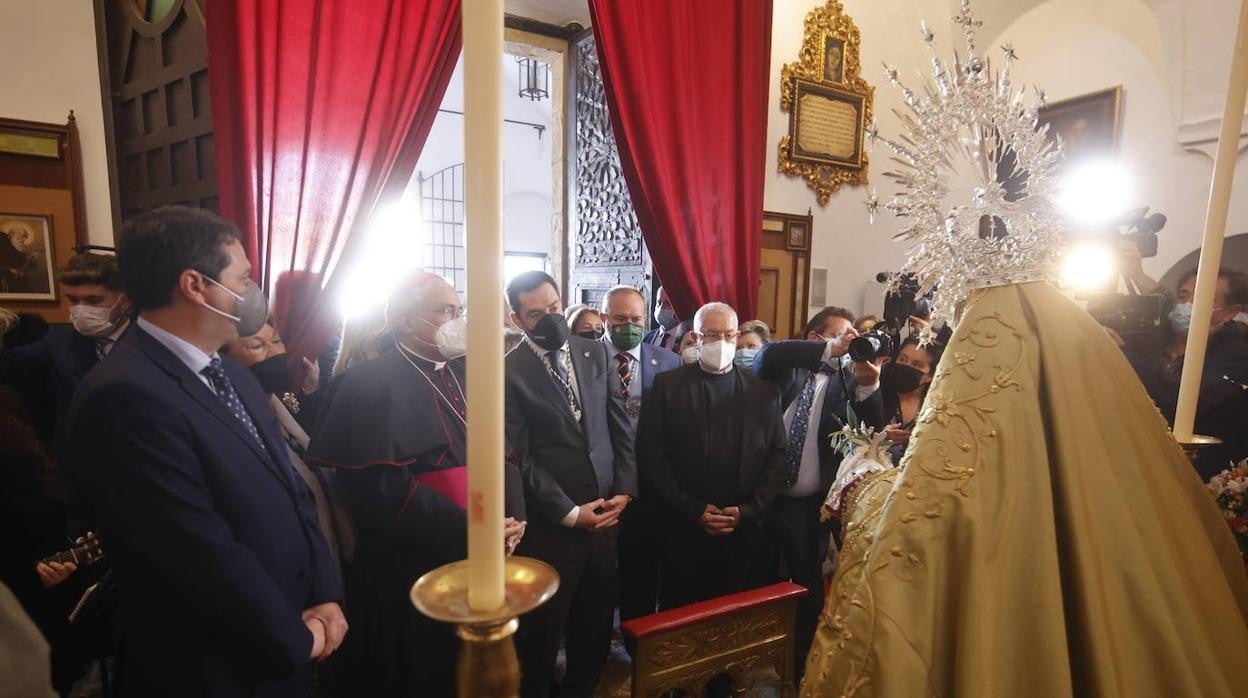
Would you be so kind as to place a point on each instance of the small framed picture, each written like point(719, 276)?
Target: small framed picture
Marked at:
point(833, 59)
point(797, 239)
point(26, 261)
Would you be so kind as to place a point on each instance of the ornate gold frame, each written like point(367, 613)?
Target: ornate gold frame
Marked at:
point(824, 24)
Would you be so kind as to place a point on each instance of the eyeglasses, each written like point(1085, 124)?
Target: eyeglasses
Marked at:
point(720, 336)
point(448, 311)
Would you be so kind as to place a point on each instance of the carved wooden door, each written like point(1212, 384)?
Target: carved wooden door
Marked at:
point(606, 248)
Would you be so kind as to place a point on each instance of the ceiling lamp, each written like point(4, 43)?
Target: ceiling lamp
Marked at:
point(534, 78)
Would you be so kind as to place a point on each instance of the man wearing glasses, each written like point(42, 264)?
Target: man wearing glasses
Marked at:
point(711, 447)
point(817, 388)
point(392, 434)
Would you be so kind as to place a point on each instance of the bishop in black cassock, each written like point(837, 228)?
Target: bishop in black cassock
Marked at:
point(392, 434)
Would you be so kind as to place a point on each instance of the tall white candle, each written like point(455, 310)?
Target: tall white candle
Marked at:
point(1215, 231)
point(483, 159)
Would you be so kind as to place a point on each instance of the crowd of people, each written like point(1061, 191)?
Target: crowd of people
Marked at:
point(262, 520)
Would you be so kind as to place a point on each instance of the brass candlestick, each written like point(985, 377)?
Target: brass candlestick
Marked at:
point(1192, 447)
point(487, 666)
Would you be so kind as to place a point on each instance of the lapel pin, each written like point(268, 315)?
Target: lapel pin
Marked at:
point(586, 355)
point(654, 362)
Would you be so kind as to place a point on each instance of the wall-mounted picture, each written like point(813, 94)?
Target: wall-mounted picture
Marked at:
point(1088, 124)
point(833, 59)
point(26, 262)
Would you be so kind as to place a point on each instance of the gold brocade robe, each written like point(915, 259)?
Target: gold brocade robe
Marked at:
point(1045, 537)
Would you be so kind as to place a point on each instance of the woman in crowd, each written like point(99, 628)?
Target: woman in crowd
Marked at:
point(685, 342)
point(752, 335)
point(903, 382)
point(585, 322)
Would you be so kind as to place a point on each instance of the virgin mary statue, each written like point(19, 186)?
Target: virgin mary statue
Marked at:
point(1045, 535)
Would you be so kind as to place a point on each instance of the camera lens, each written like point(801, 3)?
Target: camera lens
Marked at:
point(864, 348)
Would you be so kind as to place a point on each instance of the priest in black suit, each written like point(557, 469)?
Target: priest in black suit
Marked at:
point(391, 437)
point(819, 389)
point(711, 445)
point(227, 586)
point(571, 436)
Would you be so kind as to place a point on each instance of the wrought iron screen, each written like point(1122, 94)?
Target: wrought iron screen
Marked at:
point(442, 216)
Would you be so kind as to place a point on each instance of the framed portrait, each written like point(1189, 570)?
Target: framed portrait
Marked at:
point(797, 238)
point(833, 59)
point(26, 257)
point(1088, 124)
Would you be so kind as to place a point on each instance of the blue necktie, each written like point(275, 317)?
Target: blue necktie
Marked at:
point(215, 373)
point(799, 427)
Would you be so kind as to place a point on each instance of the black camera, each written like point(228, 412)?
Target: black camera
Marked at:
point(870, 346)
point(1128, 314)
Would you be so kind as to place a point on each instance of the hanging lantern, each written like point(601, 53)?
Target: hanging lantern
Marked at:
point(534, 78)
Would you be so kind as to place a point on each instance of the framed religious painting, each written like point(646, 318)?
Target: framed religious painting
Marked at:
point(26, 261)
point(829, 105)
point(1088, 125)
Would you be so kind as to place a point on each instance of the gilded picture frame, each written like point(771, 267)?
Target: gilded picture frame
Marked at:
point(829, 105)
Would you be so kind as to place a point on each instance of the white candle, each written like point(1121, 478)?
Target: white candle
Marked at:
point(1215, 231)
point(483, 120)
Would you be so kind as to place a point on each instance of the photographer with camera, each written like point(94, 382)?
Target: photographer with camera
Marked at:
point(904, 380)
point(1223, 401)
point(820, 378)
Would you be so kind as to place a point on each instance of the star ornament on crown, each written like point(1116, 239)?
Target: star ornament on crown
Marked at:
point(978, 178)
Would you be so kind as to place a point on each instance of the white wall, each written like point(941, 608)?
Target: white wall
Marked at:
point(1068, 47)
point(527, 174)
point(48, 52)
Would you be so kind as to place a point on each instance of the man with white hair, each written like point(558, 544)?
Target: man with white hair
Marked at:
point(711, 446)
point(392, 432)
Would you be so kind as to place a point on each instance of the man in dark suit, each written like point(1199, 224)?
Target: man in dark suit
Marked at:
point(817, 392)
point(711, 447)
point(636, 364)
point(227, 586)
point(570, 434)
point(663, 336)
point(46, 372)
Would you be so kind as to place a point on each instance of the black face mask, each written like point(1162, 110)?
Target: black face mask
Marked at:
point(273, 374)
point(899, 378)
point(590, 334)
point(551, 332)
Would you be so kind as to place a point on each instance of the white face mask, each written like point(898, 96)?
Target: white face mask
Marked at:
point(717, 356)
point(689, 355)
point(93, 321)
point(452, 338)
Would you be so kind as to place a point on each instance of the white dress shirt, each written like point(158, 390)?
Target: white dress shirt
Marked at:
point(189, 354)
point(807, 481)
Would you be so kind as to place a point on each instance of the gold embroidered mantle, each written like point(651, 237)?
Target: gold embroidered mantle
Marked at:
point(1045, 536)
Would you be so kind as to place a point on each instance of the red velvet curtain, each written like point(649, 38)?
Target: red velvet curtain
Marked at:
point(320, 111)
point(686, 83)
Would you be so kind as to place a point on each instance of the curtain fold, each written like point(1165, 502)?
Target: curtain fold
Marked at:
point(686, 83)
point(320, 111)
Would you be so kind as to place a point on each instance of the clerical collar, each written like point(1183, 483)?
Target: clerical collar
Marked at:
point(437, 365)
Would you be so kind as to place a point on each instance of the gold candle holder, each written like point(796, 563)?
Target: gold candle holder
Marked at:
point(1193, 446)
point(487, 665)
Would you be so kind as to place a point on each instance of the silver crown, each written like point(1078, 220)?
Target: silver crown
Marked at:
point(966, 132)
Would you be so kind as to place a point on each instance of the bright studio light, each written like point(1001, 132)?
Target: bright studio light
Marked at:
point(1095, 192)
point(1089, 266)
point(391, 247)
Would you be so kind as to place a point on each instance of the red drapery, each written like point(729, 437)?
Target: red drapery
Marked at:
point(686, 83)
point(320, 111)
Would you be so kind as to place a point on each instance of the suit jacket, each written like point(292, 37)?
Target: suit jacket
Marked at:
point(672, 450)
point(655, 360)
point(212, 537)
point(653, 336)
point(47, 371)
point(563, 463)
point(788, 364)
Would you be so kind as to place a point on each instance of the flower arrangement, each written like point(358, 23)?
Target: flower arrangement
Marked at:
point(864, 451)
point(1229, 488)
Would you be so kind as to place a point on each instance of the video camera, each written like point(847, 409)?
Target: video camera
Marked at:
point(1133, 312)
point(906, 302)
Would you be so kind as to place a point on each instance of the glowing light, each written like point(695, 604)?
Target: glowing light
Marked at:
point(391, 246)
point(1089, 266)
point(1095, 192)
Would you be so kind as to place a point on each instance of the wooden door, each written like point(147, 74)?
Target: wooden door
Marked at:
point(784, 264)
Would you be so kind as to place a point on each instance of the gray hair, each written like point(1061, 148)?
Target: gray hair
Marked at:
point(712, 307)
point(758, 327)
